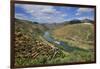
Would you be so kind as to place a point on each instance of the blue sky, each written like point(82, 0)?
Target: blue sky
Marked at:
point(52, 14)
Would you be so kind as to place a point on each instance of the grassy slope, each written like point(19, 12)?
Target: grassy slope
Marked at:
point(31, 48)
point(77, 35)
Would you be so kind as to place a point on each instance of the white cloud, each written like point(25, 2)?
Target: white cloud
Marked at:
point(78, 13)
point(82, 18)
point(42, 13)
point(24, 17)
point(84, 10)
point(20, 16)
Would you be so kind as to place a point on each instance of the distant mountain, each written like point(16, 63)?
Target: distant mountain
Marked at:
point(74, 21)
point(77, 21)
point(50, 26)
point(87, 21)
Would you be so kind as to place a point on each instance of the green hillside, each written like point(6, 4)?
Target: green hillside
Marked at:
point(66, 43)
point(77, 33)
point(31, 48)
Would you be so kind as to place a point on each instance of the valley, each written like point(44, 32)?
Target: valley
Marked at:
point(56, 43)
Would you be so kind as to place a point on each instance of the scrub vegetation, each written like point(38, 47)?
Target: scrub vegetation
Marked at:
point(70, 43)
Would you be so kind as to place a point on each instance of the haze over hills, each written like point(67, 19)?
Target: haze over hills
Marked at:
point(75, 21)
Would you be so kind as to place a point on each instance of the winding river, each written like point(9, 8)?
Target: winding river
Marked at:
point(47, 36)
point(57, 43)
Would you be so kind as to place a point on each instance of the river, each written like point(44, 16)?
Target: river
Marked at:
point(57, 43)
point(63, 45)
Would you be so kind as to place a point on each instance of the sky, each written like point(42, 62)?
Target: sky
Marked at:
point(52, 14)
